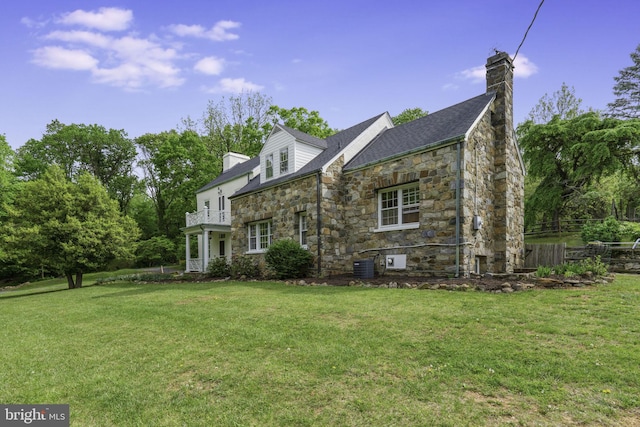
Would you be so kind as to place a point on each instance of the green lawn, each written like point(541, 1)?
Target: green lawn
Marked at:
point(268, 354)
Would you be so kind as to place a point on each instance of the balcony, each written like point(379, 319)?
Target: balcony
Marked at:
point(207, 216)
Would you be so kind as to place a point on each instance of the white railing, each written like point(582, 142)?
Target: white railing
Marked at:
point(194, 265)
point(207, 216)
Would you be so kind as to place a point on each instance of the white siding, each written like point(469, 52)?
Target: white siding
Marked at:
point(299, 154)
point(226, 189)
point(304, 153)
point(273, 146)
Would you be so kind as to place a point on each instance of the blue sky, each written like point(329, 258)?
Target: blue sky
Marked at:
point(142, 66)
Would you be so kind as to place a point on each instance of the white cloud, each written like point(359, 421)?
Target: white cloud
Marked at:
point(60, 58)
point(130, 61)
point(105, 19)
point(210, 65)
point(523, 68)
point(86, 37)
point(238, 85)
point(32, 23)
point(219, 32)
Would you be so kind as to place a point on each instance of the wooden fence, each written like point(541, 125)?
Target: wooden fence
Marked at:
point(544, 254)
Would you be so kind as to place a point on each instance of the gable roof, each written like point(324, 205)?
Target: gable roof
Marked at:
point(236, 171)
point(304, 137)
point(334, 144)
point(445, 125)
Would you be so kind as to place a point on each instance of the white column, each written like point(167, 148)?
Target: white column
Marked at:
point(188, 253)
point(205, 251)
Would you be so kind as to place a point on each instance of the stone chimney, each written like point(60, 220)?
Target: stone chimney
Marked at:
point(500, 81)
point(231, 159)
point(508, 175)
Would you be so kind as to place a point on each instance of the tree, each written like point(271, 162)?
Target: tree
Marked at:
point(408, 115)
point(238, 123)
point(303, 120)
point(627, 90)
point(567, 155)
point(175, 165)
point(7, 180)
point(67, 227)
point(107, 154)
point(562, 103)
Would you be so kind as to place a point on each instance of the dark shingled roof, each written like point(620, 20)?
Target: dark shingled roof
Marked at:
point(448, 124)
point(236, 171)
point(305, 137)
point(335, 143)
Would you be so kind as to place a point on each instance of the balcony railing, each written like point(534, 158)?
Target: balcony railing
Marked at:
point(207, 216)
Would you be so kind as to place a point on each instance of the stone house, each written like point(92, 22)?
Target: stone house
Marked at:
point(441, 195)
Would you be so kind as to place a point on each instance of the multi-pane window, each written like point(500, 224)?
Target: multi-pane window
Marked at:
point(284, 160)
point(269, 166)
point(399, 206)
point(260, 235)
point(303, 229)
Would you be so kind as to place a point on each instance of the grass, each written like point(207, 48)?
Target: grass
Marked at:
point(268, 354)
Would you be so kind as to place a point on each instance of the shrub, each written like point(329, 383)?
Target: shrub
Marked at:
point(287, 259)
point(157, 250)
point(543, 271)
point(609, 230)
point(219, 267)
point(242, 265)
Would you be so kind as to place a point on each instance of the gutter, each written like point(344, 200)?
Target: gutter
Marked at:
point(458, 165)
point(319, 220)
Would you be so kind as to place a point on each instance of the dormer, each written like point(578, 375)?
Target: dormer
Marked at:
point(287, 150)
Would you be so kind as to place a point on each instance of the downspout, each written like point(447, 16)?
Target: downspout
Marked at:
point(458, 174)
point(319, 221)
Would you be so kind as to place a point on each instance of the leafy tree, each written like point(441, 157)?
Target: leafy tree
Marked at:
point(107, 154)
point(67, 227)
point(143, 211)
point(627, 90)
point(157, 250)
point(408, 115)
point(175, 165)
point(566, 156)
point(238, 123)
point(7, 180)
point(303, 120)
point(562, 103)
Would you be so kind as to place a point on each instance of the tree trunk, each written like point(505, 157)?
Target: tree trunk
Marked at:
point(79, 279)
point(70, 280)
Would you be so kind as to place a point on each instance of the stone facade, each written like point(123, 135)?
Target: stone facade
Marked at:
point(460, 183)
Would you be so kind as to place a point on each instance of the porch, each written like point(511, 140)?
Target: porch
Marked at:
point(212, 230)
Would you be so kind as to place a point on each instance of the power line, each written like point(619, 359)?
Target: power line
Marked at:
point(527, 32)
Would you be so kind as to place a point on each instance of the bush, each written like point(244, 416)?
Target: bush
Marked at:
point(242, 265)
point(609, 230)
point(586, 266)
point(219, 267)
point(157, 250)
point(287, 259)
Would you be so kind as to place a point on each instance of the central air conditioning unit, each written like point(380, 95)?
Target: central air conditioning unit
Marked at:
point(396, 262)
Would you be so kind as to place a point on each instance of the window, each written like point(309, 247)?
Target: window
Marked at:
point(399, 207)
point(221, 210)
point(303, 229)
point(260, 236)
point(269, 166)
point(284, 160)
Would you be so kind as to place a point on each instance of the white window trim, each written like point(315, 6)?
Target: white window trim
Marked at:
point(258, 249)
point(268, 159)
point(393, 227)
point(303, 217)
point(285, 151)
